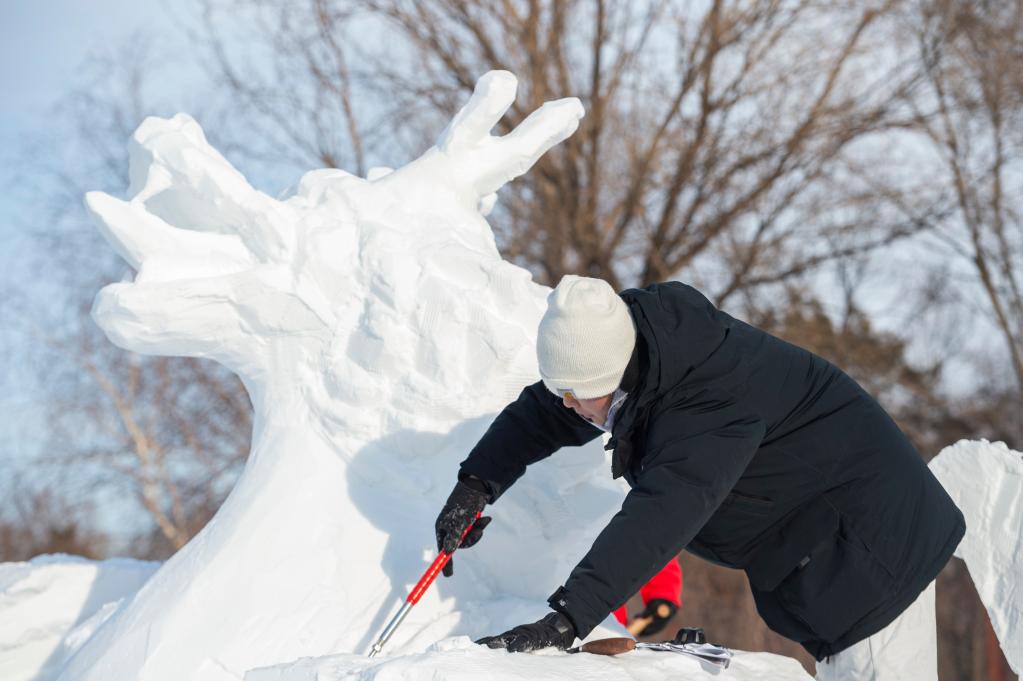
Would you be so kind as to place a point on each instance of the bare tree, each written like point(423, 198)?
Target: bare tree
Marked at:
point(170, 434)
point(714, 133)
point(38, 520)
point(290, 84)
point(971, 115)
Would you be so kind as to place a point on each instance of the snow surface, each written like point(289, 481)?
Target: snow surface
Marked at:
point(459, 659)
point(986, 481)
point(377, 331)
point(51, 604)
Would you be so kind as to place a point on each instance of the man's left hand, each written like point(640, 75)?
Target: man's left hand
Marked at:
point(554, 630)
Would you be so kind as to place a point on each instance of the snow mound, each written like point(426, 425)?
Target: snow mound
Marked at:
point(459, 659)
point(986, 481)
point(50, 604)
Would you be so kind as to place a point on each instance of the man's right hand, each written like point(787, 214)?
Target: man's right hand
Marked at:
point(465, 501)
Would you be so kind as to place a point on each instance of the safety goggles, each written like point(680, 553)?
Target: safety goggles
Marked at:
point(565, 393)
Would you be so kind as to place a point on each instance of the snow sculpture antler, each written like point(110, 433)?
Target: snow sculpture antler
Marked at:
point(215, 257)
point(362, 315)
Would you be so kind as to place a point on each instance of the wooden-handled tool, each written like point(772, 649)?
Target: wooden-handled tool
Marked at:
point(606, 646)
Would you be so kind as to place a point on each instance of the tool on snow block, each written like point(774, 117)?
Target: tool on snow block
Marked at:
point(417, 592)
point(689, 635)
point(688, 641)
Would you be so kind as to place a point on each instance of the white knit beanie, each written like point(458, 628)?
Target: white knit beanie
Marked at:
point(585, 338)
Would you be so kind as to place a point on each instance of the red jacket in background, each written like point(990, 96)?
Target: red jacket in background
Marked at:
point(666, 584)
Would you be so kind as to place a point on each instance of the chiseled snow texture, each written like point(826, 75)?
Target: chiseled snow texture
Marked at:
point(51, 603)
point(377, 331)
point(459, 659)
point(986, 480)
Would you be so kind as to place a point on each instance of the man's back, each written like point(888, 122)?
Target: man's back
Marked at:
point(832, 478)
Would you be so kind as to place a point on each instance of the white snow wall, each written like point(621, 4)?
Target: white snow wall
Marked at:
point(377, 330)
point(986, 481)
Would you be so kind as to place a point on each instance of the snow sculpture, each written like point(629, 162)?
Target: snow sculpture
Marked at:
point(986, 481)
point(375, 327)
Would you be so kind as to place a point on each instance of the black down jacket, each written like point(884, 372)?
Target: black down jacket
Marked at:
point(752, 453)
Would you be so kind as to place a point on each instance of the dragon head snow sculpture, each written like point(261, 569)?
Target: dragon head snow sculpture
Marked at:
point(363, 315)
point(283, 292)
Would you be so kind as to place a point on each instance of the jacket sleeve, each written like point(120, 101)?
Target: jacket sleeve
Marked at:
point(684, 477)
point(531, 428)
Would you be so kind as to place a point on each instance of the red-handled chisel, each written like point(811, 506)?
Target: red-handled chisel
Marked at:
point(417, 592)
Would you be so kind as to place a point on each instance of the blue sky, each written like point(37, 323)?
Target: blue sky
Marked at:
point(42, 45)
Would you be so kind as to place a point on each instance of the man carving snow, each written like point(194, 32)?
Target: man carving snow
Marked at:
point(740, 448)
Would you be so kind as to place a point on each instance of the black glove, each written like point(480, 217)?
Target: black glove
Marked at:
point(553, 630)
point(466, 500)
point(660, 611)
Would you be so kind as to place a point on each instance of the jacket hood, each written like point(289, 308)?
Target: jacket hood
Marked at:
point(677, 329)
point(681, 329)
